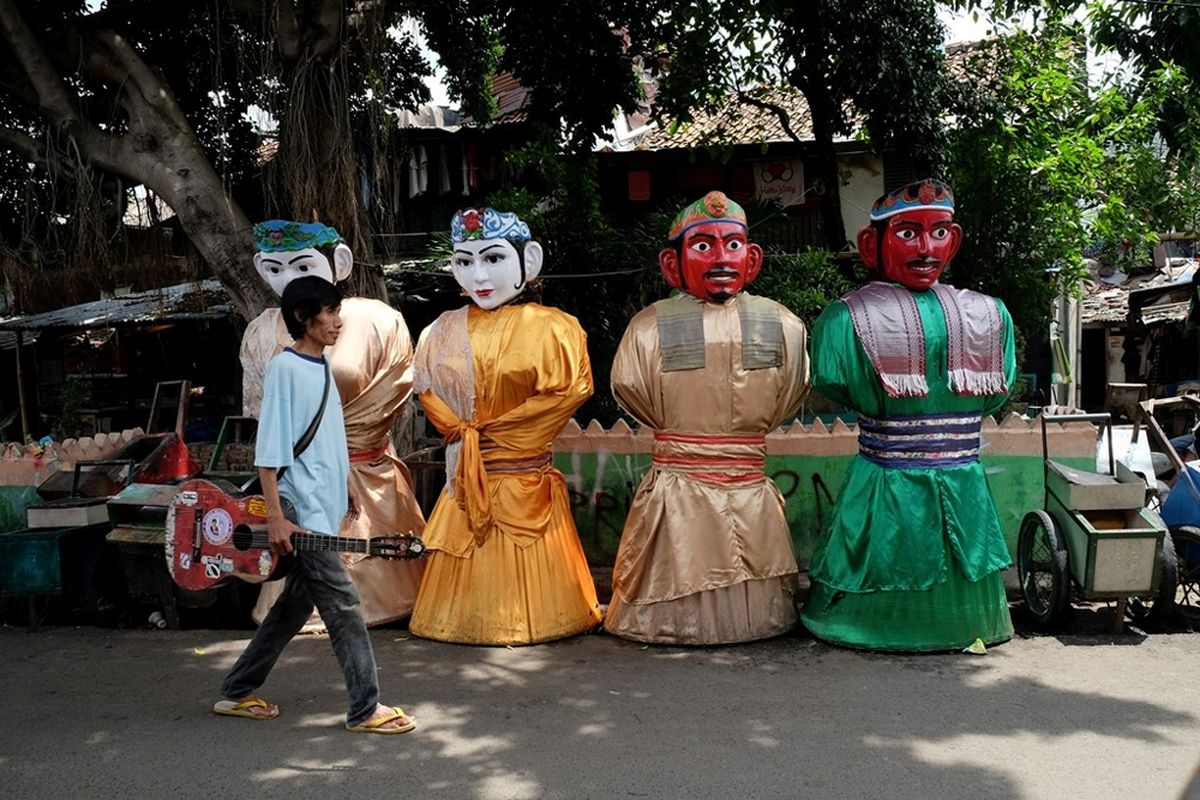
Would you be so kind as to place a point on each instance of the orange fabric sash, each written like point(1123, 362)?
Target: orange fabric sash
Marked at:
point(728, 459)
point(509, 440)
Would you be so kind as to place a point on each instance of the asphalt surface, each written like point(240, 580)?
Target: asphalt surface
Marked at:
point(92, 713)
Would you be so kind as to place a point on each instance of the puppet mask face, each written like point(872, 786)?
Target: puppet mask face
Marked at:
point(916, 246)
point(714, 261)
point(490, 270)
point(281, 268)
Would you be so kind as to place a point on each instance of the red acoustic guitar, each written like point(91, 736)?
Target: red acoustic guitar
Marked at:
point(215, 534)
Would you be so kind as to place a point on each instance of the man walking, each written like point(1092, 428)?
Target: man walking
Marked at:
point(296, 392)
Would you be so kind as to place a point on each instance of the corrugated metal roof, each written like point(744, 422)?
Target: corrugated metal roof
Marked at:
point(8, 339)
point(203, 300)
point(1111, 305)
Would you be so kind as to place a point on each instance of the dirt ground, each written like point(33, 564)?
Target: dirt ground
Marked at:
point(92, 713)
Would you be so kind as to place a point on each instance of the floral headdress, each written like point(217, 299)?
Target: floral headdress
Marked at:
point(282, 236)
point(472, 224)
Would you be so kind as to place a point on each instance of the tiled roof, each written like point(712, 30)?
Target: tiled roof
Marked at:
point(741, 122)
point(748, 123)
point(737, 123)
point(977, 62)
point(511, 98)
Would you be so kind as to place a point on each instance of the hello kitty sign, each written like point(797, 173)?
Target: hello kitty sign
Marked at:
point(782, 181)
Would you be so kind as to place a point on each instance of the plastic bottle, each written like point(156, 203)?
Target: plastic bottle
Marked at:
point(157, 620)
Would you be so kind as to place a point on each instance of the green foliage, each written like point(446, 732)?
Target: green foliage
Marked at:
point(1044, 166)
point(1154, 37)
point(580, 61)
point(69, 422)
point(804, 282)
point(603, 273)
point(876, 64)
point(467, 42)
point(877, 61)
point(558, 196)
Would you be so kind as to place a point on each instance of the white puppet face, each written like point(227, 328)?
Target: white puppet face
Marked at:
point(490, 269)
point(280, 269)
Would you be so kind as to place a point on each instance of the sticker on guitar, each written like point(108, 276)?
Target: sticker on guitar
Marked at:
point(217, 526)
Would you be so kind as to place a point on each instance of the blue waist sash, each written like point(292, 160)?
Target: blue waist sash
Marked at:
point(924, 441)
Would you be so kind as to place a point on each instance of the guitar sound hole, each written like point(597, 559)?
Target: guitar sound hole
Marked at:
point(242, 537)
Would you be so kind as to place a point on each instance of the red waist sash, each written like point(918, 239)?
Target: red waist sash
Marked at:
point(729, 459)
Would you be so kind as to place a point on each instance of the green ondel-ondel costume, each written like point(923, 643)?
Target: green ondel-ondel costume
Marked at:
point(912, 558)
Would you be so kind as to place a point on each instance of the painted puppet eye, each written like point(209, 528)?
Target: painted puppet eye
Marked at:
point(735, 245)
point(940, 233)
point(907, 234)
point(702, 247)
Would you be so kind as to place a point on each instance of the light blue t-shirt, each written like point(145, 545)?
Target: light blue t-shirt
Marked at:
point(315, 482)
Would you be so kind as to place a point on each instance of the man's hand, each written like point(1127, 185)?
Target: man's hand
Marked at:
point(279, 533)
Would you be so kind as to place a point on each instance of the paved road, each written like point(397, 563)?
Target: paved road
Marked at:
point(90, 713)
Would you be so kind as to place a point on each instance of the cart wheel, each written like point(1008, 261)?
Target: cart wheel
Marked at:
point(1187, 560)
point(1042, 568)
point(1160, 606)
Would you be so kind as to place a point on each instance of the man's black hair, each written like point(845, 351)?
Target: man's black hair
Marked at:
point(303, 299)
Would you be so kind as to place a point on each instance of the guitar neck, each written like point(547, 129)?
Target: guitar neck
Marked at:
point(319, 541)
point(315, 541)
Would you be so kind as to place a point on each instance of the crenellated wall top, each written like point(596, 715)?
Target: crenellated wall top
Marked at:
point(1014, 435)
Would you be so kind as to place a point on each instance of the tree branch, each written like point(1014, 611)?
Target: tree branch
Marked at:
point(149, 85)
point(287, 30)
point(329, 29)
point(52, 95)
point(25, 145)
point(785, 120)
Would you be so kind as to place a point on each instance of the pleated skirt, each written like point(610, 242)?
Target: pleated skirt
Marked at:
point(743, 612)
point(948, 616)
point(502, 594)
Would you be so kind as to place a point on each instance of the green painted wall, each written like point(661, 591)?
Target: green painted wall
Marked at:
point(603, 484)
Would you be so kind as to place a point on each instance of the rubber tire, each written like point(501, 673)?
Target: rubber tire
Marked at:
point(1187, 542)
point(1161, 606)
point(1045, 615)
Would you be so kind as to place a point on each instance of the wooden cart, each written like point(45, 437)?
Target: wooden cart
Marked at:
point(1093, 538)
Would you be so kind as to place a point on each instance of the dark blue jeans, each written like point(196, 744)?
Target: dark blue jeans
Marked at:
point(318, 578)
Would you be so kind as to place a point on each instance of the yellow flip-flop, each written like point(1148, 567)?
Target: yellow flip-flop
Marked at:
point(374, 724)
point(244, 708)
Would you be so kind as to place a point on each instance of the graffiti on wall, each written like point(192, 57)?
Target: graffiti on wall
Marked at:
point(603, 469)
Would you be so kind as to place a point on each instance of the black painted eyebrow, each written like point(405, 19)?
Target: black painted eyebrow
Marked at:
point(726, 237)
point(481, 252)
point(297, 258)
point(272, 261)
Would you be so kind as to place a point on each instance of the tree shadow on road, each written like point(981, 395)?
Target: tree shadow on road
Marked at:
point(586, 717)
